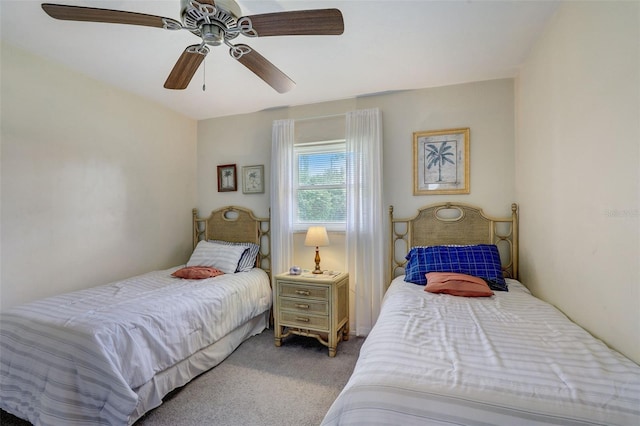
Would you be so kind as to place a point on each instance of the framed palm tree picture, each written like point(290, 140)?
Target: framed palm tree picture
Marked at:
point(253, 179)
point(227, 178)
point(441, 162)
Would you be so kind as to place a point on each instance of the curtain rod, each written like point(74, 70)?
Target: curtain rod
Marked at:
point(321, 117)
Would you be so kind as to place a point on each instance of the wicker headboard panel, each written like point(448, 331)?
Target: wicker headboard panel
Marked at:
point(454, 223)
point(235, 224)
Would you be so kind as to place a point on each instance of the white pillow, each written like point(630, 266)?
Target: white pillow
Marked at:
point(248, 259)
point(215, 255)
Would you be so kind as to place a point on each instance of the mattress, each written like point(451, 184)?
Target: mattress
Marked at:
point(504, 360)
point(79, 358)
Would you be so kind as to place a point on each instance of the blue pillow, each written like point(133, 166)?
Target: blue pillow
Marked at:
point(481, 260)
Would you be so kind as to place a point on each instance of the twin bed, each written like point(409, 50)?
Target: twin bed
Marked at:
point(109, 354)
point(434, 358)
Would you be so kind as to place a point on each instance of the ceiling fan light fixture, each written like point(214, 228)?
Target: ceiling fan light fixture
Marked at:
point(212, 34)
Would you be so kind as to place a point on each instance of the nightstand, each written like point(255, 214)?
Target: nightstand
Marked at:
point(312, 305)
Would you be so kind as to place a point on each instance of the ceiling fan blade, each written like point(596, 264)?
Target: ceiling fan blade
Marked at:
point(261, 67)
point(186, 67)
point(91, 14)
point(298, 22)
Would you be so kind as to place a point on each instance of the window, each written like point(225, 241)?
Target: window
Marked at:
point(320, 185)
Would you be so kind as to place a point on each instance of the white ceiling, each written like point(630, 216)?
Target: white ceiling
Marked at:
point(386, 46)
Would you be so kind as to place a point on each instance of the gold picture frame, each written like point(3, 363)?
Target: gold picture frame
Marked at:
point(441, 162)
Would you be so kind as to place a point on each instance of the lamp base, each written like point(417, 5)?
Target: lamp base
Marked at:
point(317, 260)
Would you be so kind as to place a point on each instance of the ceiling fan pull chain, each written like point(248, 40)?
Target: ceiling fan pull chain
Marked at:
point(204, 75)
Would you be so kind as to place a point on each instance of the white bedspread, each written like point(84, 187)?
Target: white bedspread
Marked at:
point(80, 356)
point(506, 360)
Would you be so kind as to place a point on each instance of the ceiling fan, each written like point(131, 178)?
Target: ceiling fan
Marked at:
point(217, 22)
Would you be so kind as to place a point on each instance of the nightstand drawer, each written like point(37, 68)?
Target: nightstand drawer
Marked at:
point(302, 306)
point(302, 320)
point(297, 290)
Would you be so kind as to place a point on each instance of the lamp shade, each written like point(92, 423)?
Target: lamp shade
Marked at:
point(316, 236)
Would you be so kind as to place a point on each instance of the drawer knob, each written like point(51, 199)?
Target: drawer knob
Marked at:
point(302, 306)
point(303, 292)
point(302, 319)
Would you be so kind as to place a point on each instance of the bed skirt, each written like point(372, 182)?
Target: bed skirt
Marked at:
point(151, 393)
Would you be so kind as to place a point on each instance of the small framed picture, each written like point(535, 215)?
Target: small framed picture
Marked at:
point(227, 179)
point(253, 180)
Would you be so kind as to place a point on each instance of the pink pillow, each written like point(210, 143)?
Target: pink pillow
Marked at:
point(457, 284)
point(197, 272)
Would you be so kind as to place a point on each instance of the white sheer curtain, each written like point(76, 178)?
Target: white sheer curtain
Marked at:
point(281, 197)
point(365, 216)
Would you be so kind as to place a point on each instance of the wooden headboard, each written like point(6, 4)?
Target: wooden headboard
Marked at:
point(454, 223)
point(235, 224)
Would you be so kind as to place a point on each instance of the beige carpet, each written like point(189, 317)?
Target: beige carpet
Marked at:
point(259, 385)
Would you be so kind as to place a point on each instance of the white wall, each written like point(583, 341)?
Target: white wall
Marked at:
point(97, 184)
point(486, 107)
point(577, 168)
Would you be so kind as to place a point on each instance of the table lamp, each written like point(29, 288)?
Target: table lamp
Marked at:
point(317, 236)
